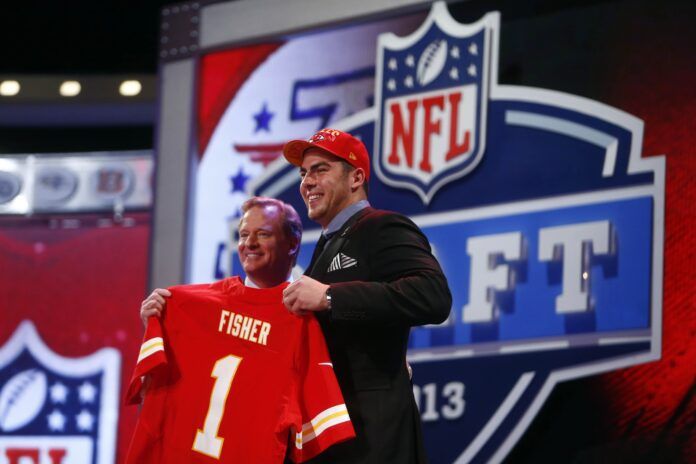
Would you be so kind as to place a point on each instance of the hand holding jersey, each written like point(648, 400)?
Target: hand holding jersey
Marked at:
point(328, 187)
point(305, 295)
point(232, 372)
point(375, 271)
point(154, 304)
point(269, 238)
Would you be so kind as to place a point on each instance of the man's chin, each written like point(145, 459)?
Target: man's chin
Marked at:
point(314, 214)
point(250, 268)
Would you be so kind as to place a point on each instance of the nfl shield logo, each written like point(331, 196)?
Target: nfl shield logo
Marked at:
point(551, 242)
point(432, 91)
point(55, 409)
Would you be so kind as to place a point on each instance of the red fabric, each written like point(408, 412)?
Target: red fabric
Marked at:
point(80, 286)
point(340, 144)
point(655, 403)
point(279, 379)
point(221, 76)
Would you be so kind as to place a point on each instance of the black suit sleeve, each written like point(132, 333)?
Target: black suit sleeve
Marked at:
point(406, 285)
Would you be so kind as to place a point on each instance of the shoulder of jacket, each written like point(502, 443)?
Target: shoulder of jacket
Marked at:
point(382, 217)
point(372, 220)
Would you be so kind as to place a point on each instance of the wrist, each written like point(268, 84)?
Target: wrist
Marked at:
point(328, 298)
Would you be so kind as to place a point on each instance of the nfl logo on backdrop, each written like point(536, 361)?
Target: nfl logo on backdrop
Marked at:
point(432, 91)
point(542, 212)
point(53, 409)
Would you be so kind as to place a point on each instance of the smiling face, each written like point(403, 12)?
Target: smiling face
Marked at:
point(264, 250)
point(327, 187)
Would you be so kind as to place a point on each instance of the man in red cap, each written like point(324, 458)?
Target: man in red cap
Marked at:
point(372, 276)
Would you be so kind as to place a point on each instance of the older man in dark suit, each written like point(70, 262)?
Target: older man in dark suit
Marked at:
point(372, 276)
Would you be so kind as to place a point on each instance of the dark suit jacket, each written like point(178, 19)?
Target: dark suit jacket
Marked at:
point(384, 280)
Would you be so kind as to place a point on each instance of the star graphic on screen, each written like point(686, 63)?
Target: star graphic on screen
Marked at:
point(454, 73)
point(454, 53)
point(85, 421)
point(239, 181)
point(59, 392)
point(56, 420)
point(87, 392)
point(263, 119)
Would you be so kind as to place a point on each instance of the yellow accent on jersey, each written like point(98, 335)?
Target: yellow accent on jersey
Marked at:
point(150, 347)
point(321, 422)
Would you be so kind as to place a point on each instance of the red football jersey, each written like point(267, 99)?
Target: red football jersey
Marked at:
point(233, 375)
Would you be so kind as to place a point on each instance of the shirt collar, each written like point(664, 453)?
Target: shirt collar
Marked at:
point(251, 284)
point(345, 214)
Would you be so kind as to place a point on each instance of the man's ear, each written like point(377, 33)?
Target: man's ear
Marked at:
point(357, 178)
point(294, 246)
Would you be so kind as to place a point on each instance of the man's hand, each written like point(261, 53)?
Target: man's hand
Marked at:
point(304, 295)
point(154, 304)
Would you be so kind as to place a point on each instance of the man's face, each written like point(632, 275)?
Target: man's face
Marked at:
point(325, 187)
point(264, 250)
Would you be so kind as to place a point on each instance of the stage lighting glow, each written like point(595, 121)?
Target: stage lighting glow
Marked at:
point(70, 88)
point(9, 88)
point(130, 88)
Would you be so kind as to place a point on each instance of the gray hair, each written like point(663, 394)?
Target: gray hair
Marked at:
point(292, 225)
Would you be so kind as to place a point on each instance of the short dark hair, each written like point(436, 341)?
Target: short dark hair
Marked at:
point(292, 225)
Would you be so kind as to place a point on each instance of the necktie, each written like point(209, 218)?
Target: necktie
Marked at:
point(321, 244)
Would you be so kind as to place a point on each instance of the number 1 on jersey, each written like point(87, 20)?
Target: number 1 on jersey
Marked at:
point(207, 440)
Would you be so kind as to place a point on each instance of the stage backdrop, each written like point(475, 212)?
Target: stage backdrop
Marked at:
point(546, 150)
point(523, 152)
point(74, 233)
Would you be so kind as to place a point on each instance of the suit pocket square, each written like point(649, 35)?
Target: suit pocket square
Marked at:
point(341, 261)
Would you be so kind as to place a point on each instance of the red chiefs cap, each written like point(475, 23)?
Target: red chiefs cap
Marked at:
point(336, 142)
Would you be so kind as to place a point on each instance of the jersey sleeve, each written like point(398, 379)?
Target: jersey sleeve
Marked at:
point(325, 419)
point(152, 354)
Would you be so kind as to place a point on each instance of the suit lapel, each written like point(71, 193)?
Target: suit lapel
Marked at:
point(320, 261)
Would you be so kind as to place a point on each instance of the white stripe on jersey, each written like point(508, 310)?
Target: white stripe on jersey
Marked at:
point(324, 420)
point(150, 347)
